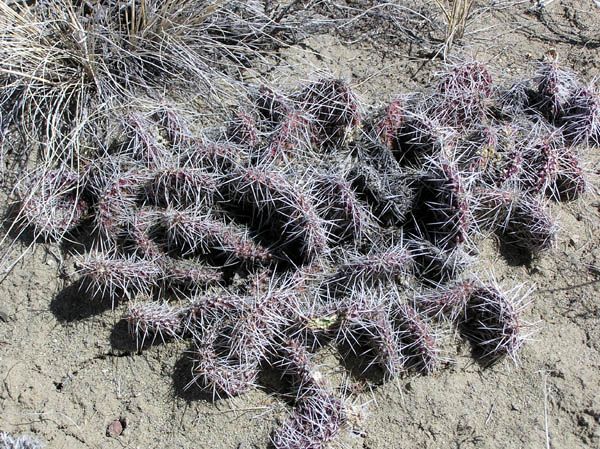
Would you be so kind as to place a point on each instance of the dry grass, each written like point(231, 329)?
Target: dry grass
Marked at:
point(64, 65)
point(456, 14)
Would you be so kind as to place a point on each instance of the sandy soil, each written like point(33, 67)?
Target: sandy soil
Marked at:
point(68, 368)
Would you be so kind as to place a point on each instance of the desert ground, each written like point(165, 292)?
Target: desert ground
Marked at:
point(68, 368)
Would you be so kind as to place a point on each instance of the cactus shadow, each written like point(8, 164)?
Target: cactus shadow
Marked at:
point(74, 303)
point(483, 360)
point(359, 367)
point(80, 240)
point(514, 255)
point(478, 355)
point(121, 339)
point(274, 382)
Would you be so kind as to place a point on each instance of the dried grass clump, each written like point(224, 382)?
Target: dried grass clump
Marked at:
point(67, 67)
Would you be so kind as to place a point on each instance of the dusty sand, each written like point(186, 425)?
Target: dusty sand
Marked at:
point(68, 368)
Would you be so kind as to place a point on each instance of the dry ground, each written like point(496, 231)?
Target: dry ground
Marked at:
point(67, 368)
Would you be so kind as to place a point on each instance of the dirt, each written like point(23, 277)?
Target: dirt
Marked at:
point(70, 372)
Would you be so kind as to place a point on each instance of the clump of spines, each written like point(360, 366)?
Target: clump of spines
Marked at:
point(272, 105)
point(144, 143)
point(313, 322)
point(445, 213)
point(22, 442)
point(216, 372)
point(390, 265)
point(541, 161)
point(493, 323)
point(274, 201)
point(295, 362)
point(346, 215)
point(151, 319)
point(515, 98)
point(334, 106)
point(315, 421)
point(183, 187)
point(554, 88)
point(435, 264)
point(188, 275)
point(206, 309)
point(422, 135)
point(253, 334)
point(570, 182)
point(113, 275)
point(52, 202)
point(175, 125)
point(217, 157)
point(581, 118)
point(242, 129)
point(520, 219)
point(366, 325)
point(461, 94)
point(390, 195)
point(293, 136)
point(529, 225)
point(141, 230)
point(479, 148)
point(447, 303)
point(417, 338)
point(389, 126)
point(193, 231)
point(488, 317)
point(505, 161)
point(118, 189)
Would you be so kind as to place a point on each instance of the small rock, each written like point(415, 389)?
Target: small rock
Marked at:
point(115, 428)
point(574, 240)
point(4, 316)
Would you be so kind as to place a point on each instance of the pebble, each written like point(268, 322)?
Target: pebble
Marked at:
point(114, 429)
point(574, 240)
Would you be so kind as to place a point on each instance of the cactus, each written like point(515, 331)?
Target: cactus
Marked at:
point(555, 86)
point(493, 322)
point(288, 229)
point(112, 275)
point(461, 94)
point(242, 129)
point(335, 107)
point(418, 341)
point(152, 319)
point(389, 265)
point(390, 195)
point(529, 225)
point(445, 212)
point(273, 200)
point(192, 230)
point(52, 203)
point(183, 187)
point(220, 375)
point(581, 118)
point(347, 216)
point(316, 420)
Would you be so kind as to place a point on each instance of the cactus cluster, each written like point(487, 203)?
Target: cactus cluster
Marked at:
point(305, 221)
